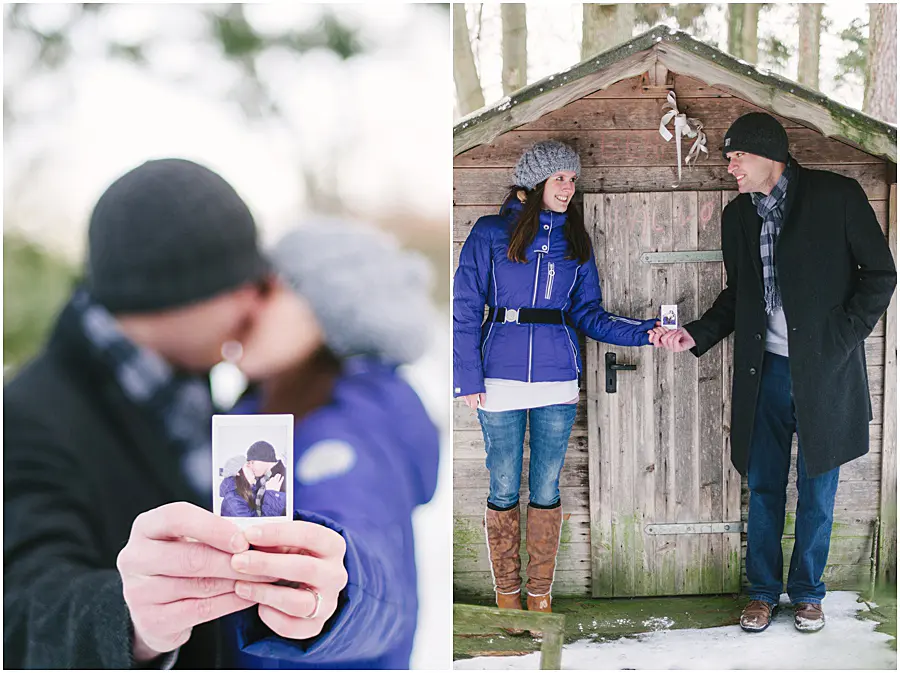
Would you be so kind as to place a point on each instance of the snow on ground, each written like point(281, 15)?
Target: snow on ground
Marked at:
point(845, 643)
point(433, 522)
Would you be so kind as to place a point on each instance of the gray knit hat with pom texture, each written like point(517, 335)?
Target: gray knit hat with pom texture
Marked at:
point(370, 296)
point(542, 160)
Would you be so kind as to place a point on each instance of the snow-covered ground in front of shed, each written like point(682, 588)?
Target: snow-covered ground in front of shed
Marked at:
point(845, 643)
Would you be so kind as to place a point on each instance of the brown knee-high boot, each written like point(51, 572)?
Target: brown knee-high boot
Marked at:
point(542, 543)
point(503, 535)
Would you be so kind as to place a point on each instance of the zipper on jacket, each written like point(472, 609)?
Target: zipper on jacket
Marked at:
point(550, 273)
point(618, 318)
point(568, 336)
point(537, 272)
point(491, 328)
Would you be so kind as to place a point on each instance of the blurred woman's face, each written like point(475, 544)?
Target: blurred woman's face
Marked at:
point(284, 334)
point(559, 190)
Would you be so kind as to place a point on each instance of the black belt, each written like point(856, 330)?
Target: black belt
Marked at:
point(545, 316)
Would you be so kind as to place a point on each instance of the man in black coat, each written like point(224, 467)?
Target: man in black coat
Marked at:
point(809, 273)
point(110, 560)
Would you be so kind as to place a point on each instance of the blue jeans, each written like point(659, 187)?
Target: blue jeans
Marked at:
point(770, 461)
point(504, 442)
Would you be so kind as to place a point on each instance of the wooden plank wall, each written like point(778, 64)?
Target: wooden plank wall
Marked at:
point(887, 552)
point(616, 133)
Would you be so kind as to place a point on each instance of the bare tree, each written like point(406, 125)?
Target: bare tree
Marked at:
point(810, 31)
point(515, 34)
point(605, 26)
point(465, 76)
point(736, 30)
point(750, 33)
point(880, 99)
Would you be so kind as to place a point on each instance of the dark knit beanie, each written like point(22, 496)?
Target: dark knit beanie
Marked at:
point(167, 234)
point(757, 133)
point(262, 451)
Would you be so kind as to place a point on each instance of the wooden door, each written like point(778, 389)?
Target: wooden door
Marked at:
point(665, 501)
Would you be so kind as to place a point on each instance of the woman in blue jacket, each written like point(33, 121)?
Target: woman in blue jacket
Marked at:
point(533, 266)
point(350, 306)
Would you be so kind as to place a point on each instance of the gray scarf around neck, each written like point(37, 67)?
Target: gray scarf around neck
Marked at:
point(770, 207)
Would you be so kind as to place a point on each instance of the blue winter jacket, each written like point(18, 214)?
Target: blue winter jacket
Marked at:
point(362, 464)
point(234, 505)
point(528, 352)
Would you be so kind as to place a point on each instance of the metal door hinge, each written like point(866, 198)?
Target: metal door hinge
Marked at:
point(685, 256)
point(689, 528)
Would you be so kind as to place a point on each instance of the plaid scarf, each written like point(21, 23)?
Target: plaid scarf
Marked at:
point(180, 403)
point(770, 207)
point(261, 491)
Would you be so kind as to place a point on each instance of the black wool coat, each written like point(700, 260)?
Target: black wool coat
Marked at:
point(80, 462)
point(836, 276)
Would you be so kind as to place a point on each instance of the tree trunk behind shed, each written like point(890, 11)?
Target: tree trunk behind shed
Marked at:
point(810, 29)
point(515, 34)
point(881, 94)
point(605, 26)
point(735, 29)
point(465, 76)
point(750, 33)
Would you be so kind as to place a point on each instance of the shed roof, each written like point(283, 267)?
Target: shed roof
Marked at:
point(681, 53)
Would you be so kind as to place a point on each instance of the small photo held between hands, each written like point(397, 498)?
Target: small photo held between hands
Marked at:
point(253, 462)
point(668, 316)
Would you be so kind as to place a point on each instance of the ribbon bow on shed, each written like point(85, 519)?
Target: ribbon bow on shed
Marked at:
point(684, 125)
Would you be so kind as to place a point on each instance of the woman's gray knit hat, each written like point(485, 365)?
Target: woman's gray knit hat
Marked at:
point(370, 296)
point(542, 160)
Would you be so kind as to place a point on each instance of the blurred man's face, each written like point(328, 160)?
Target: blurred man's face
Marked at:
point(284, 333)
point(191, 337)
point(753, 172)
point(260, 467)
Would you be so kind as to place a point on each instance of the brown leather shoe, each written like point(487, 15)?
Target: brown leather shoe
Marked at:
point(503, 536)
point(542, 543)
point(757, 616)
point(808, 617)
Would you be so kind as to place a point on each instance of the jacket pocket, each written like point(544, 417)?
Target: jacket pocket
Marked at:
point(572, 350)
point(842, 330)
point(484, 346)
point(551, 273)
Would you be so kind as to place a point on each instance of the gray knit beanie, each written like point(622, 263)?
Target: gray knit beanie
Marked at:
point(369, 295)
point(167, 234)
point(542, 160)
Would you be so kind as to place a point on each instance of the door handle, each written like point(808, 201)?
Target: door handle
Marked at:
point(611, 368)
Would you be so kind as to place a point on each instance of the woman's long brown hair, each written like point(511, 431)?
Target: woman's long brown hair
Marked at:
point(304, 388)
point(526, 226)
point(243, 488)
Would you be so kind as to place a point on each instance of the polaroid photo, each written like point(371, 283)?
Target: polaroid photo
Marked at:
point(253, 468)
point(668, 316)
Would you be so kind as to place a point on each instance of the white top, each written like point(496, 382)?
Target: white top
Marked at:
point(507, 395)
point(776, 333)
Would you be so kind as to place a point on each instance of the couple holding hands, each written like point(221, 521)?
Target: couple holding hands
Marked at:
point(799, 317)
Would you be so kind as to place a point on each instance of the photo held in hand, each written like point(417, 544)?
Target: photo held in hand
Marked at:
point(253, 467)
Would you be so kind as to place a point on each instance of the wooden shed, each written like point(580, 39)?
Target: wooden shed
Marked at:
point(652, 504)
